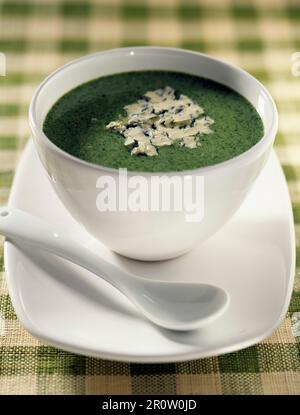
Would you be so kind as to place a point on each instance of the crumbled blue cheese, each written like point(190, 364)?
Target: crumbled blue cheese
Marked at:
point(160, 119)
point(144, 148)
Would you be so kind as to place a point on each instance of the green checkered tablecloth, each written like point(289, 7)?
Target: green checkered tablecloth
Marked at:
point(37, 36)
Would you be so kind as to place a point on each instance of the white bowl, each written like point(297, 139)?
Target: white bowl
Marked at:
point(151, 235)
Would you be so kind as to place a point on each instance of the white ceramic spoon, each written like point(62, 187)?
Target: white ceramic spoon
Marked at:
point(172, 305)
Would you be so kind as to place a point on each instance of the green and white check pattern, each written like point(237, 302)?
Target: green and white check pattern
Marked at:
point(37, 36)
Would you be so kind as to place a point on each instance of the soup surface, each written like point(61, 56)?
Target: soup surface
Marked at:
point(78, 122)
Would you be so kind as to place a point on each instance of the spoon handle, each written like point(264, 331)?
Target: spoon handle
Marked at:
point(18, 225)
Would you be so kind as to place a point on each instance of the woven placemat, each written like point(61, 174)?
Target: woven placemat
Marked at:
point(39, 35)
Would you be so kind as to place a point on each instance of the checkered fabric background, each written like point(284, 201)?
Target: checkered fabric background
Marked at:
point(37, 36)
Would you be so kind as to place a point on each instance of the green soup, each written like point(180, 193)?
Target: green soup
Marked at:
point(77, 122)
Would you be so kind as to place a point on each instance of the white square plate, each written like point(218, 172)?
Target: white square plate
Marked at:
point(252, 256)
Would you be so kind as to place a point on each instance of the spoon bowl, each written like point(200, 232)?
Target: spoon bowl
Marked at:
point(180, 305)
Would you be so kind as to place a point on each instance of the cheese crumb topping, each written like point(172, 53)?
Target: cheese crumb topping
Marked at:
point(160, 119)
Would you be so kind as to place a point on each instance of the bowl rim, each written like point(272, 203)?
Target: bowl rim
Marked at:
point(240, 159)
